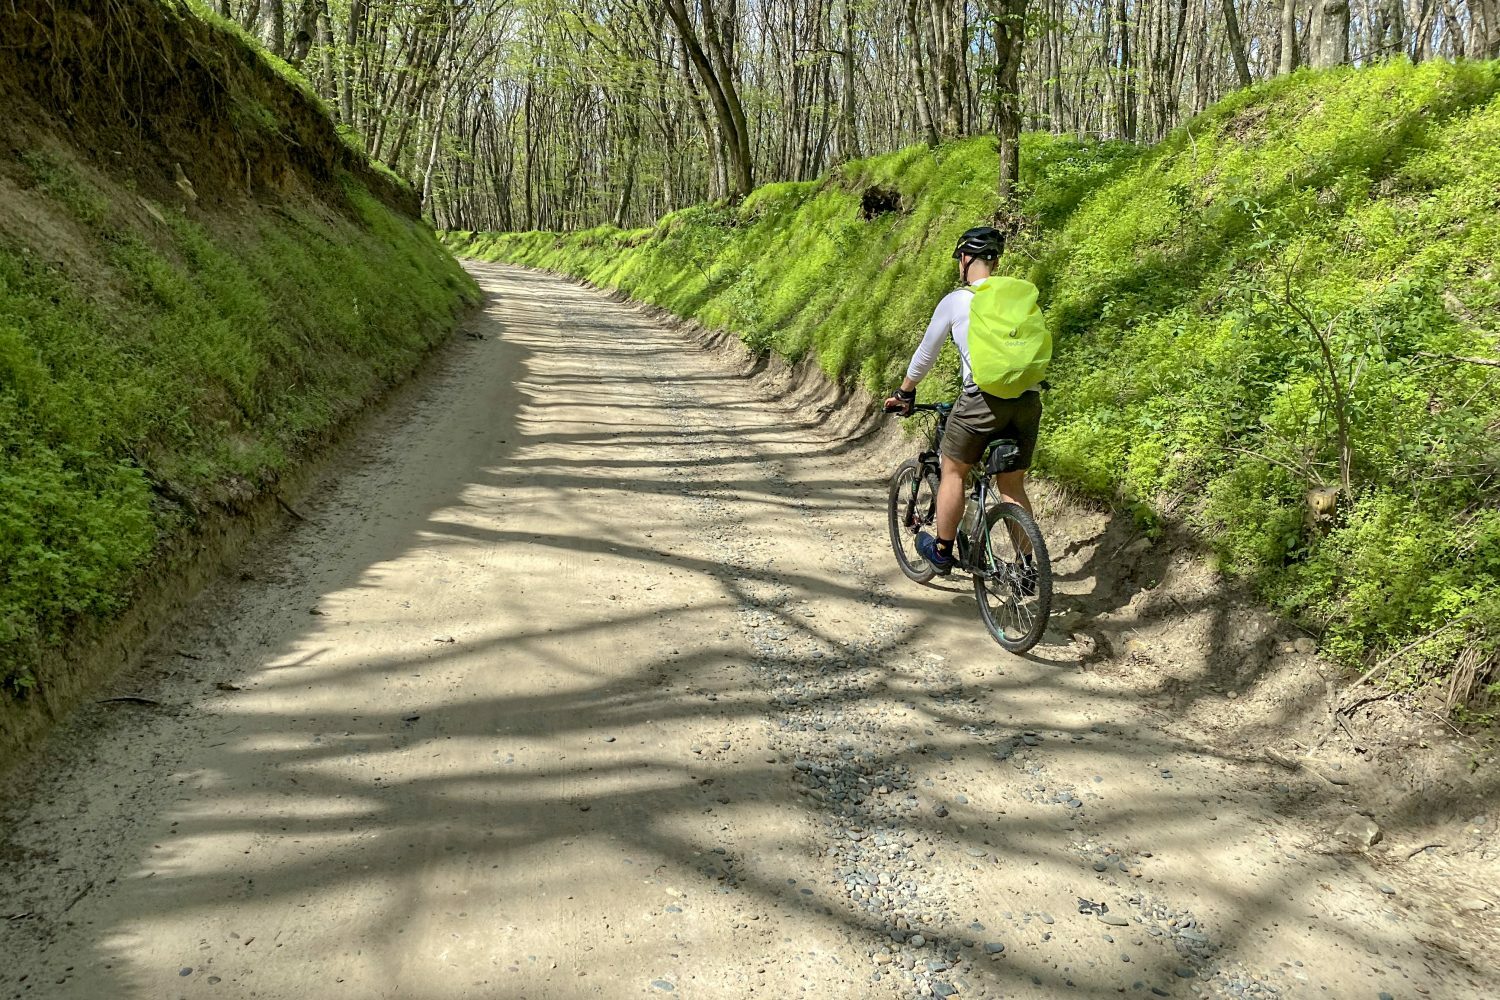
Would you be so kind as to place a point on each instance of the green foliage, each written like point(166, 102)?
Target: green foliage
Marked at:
point(1189, 286)
point(174, 360)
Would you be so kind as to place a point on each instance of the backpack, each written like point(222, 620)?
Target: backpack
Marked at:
point(1009, 345)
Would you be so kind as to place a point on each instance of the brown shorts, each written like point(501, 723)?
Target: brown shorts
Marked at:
point(979, 419)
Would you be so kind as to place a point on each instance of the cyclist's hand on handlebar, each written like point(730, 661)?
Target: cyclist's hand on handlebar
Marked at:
point(900, 402)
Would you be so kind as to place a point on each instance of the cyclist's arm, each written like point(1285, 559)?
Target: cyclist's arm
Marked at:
point(938, 329)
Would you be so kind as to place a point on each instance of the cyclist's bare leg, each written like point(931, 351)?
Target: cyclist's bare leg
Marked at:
point(950, 498)
point(1012, 487)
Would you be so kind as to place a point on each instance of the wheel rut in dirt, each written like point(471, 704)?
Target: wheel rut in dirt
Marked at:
point(591, 674)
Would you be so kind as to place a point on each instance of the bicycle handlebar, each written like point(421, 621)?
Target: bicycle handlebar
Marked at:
point(922, 407)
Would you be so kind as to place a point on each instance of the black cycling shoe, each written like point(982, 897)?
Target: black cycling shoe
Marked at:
point(927, 546)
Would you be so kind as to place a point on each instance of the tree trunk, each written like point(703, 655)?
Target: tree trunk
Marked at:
point(622, 206)
point(631, 109)
point(849, 137)
point(1010, 43)
point(1288, 37)
point(432, 149)
point(925, 123)
point(717, 148)
point(275, 37)
point(713, 68)
point(442, 71)
point(1236, 44)
point(948, 46)
point(1054, 42)
point(302, 35)
point(1332, 34)
point(250, 17)
point(351, 40)
point(530, 221)
point(1484, 16)
point(1125, 109)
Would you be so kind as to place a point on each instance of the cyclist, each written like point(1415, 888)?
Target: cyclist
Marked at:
point(978, 418)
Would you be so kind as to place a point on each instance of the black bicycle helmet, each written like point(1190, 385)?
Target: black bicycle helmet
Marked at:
point(982, 242)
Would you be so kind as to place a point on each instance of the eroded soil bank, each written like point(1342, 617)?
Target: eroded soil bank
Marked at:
point(590, 674)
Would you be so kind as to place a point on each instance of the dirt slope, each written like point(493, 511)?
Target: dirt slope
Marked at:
point(590, 675)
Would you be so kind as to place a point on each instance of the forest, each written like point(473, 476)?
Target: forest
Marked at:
point(452, 543)
point(564, 114)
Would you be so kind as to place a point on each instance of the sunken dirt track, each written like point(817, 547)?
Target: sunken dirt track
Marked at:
point(590, 674)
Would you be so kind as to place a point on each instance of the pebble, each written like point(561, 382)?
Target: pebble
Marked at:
point(1359, 831)
point(993, 948)
point(917, 941)
point(663, 985)
point(1114, 919)
point(184, 971)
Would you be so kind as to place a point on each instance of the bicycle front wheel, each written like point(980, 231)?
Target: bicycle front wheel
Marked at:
point(1012, 577)
point(913, 506)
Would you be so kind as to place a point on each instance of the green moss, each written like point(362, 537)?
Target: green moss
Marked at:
point(184, 358)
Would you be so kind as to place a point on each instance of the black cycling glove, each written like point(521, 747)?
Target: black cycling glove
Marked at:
point(901, 402)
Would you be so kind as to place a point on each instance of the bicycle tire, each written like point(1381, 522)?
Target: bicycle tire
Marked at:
point(1016, 620)
point(908, 511)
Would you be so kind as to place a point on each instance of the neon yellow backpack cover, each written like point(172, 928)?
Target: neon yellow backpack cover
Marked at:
point(1009, 344)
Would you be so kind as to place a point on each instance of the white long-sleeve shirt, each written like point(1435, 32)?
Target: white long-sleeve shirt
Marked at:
point(950, 318)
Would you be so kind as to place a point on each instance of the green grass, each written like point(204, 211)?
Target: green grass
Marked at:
point(177, 366)
point(1187, 387)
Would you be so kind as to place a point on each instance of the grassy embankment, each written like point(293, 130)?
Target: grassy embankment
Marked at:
point(1190, 284)
point(172, 344)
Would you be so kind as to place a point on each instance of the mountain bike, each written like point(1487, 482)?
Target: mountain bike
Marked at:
point(994, 539)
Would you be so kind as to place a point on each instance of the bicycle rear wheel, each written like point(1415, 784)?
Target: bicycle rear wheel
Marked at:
point(913, 506)
point(1014, 598)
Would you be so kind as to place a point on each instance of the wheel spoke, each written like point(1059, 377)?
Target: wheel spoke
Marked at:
point(1015, 618)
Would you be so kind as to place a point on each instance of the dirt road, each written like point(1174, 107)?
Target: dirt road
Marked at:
point(589, 674)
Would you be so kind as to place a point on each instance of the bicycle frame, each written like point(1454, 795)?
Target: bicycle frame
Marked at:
point(977, 486)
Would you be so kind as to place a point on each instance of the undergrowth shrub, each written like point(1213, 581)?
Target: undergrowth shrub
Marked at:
point(1283, 280)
